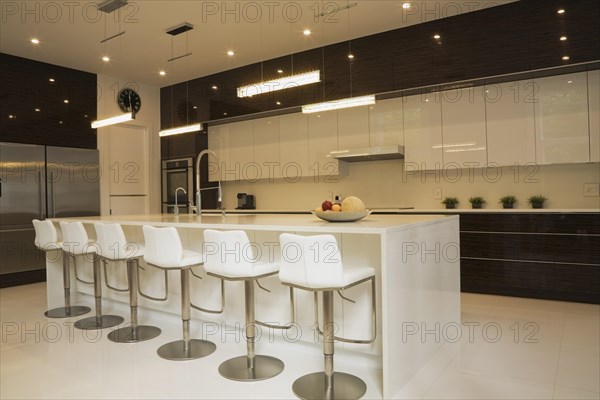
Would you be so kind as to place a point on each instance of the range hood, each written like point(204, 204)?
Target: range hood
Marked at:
point(395, 152)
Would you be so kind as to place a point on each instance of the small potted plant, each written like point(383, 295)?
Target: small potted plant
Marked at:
point(537, 201)
point(508, 201)
point(450, 202)
point(477, 201)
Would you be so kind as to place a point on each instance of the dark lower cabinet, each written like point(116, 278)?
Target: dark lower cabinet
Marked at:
point(539, 255)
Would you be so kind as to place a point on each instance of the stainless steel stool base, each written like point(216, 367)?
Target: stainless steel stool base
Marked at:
point(91, 323)
point(265, 367)
point(130, 334)
point(64, 312)
point(175, 350)
point(345, 386)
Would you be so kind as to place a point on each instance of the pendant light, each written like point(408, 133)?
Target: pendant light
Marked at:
point(117, 119)
point(341, 103)
point(187, 128)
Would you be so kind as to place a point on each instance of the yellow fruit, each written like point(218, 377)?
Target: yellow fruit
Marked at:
point(336, 207)
point(318, 209)
point(353, 203)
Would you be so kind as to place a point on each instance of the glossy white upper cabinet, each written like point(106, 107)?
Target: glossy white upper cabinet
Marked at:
point(561, 119)
point(293, 150)
point(510, 123)
point(241, 165)
point(422, 132)
point(386, 123)
point(353, 127)
point(463, 128)
point(218, 141)
point(594, 113)
point(266, 147)
point(322, 138)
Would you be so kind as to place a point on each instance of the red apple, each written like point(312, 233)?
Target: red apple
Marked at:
point(326, 205)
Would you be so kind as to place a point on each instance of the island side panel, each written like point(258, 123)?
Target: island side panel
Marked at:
point(420, 291)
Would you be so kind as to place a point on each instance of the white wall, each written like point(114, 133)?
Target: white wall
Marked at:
point(383, 184)
point(147, 119)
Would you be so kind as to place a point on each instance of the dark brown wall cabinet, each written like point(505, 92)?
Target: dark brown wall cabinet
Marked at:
point(516, 37)
point(46, 104)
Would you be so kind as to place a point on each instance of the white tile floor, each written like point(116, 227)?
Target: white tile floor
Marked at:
point(517, 349)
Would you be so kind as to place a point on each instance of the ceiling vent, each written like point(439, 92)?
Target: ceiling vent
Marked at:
point(111, 5)
point(179, 29)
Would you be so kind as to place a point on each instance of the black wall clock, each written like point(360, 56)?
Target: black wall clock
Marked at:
point(129, 100)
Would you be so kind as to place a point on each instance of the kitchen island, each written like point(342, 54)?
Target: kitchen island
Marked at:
point(417, 263)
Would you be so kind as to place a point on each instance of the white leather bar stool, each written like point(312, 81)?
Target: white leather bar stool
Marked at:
point(46, 239)
point(227, 258)
point(76, 243)
point(314, 263)
point(113, 246)
point(164, 250)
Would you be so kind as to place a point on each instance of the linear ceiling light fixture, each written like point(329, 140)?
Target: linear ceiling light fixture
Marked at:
point(337, 104)
point(285, 82)
point(180, 130)
point(113, 120)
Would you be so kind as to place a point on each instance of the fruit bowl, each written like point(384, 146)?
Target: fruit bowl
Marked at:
point(341, 216)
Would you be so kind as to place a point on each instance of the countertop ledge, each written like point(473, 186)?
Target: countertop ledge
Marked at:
point(404, 210)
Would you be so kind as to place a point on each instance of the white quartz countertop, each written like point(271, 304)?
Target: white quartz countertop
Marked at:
point(374, 224)
point(404, 210)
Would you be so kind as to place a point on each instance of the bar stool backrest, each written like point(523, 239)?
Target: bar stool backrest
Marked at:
point(75, 238)
point(163, 247)
point(228, 253)
point(46, 237)
point(311, 261)
point(113, 244)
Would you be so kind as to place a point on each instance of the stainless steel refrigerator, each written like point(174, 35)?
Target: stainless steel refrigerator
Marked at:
point(41, 182)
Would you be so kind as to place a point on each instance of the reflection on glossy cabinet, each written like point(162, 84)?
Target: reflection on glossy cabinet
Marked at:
point(293, 135)
point(422, 132)
point(463, 128)
point(266, 147)
point(353, 127)
point(322, 139)
point(241, 166)
point(385, 123)
point(594, 113)
point(510, 123)
point(561, 119)
point(218, 141)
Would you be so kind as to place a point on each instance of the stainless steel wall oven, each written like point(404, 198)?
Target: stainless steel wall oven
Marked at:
point(177, 173)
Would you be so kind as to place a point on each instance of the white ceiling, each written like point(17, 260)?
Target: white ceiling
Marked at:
point(70, 32)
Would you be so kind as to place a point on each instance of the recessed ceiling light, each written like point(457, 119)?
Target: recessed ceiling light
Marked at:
point(307, 32)
point(215, 87)
point(278, 103)
point(280, 71)
point(561, 11)
point(563, 38)
point(351, 56)
point(406, 6)
point(66, 101)
point(230, 53)
point(105, 59)
point(35, 41)
point(162, 73)
point(566, 58)
point(436, 36)
point(37, 110)
point(569, 82)
point(195, 107)
point(11, 116)
point(51, 80)
point(60, 122)
point(426, 100)
point(85, 116)
point(224, 113)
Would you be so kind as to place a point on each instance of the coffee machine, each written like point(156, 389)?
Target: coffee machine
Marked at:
point(245, 202)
